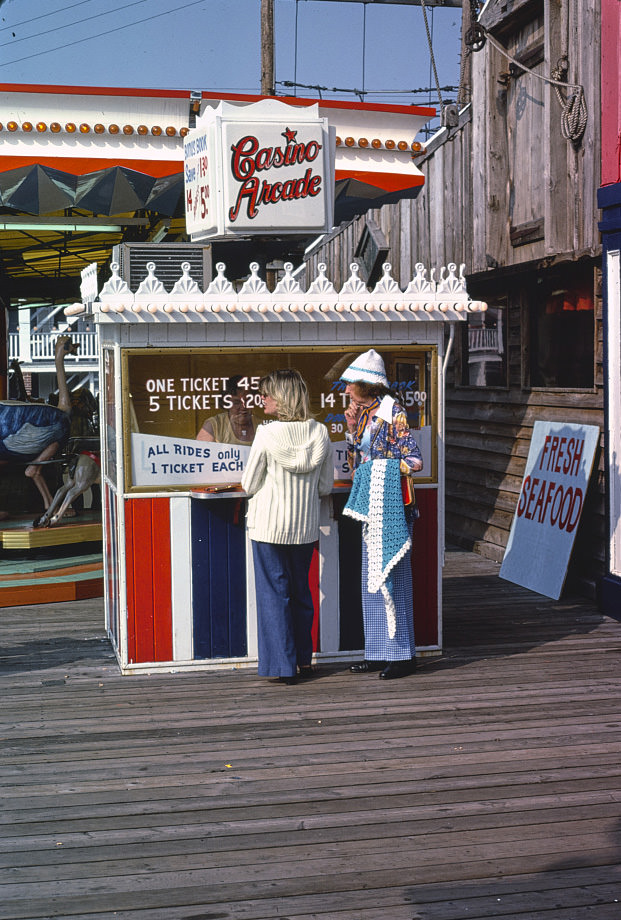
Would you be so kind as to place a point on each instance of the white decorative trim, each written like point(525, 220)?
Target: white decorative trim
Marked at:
point(423, 300)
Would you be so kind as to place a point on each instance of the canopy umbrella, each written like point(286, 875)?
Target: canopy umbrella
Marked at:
point(353, 197)
point(116, 190)
point(166, 196)
point(37, 189)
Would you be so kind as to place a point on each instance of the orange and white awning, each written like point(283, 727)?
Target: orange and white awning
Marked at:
point(86, 131)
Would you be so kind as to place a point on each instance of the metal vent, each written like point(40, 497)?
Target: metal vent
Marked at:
point(168, 258)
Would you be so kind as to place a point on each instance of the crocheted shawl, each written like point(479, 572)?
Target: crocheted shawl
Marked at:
point(376, 500)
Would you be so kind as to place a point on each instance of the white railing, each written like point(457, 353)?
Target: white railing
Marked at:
point(41, 346)
point(484, 338)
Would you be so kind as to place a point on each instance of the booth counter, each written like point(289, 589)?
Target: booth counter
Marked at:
point(179, 586)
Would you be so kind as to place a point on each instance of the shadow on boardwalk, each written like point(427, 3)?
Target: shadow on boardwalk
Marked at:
point(485, 786)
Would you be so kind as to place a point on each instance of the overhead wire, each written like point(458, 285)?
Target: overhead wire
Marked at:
point(79, 41)
point(370, 92)
point(27, 22)
point(295, 84)
point(76, 22)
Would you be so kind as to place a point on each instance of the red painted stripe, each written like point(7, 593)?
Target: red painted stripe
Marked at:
point(162, 587)
point(313, 581)
point(425, 568)
point(149, 604)
point(79, 166)
point(386, 108)
point(388, 182)
point(423, 110)
point(93, 90)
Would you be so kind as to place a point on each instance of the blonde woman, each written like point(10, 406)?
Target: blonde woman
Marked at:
point(290, 466)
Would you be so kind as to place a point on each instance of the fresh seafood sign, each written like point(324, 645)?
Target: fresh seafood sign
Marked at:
point(558, 469)
point(262, 169)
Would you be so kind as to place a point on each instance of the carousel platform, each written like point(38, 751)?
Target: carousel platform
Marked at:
point(51, 564)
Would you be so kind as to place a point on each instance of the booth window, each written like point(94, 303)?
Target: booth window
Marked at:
point(561, 323)
point(484, 351)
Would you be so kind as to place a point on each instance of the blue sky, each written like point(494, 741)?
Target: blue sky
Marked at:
point(215, 45)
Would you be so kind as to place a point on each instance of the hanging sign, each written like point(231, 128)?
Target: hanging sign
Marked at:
point(559, 465)
point(266, 168)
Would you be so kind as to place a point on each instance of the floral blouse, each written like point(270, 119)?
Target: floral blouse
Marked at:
point(390, 441)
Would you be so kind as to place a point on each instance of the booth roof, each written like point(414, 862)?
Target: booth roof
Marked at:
point(423, 300)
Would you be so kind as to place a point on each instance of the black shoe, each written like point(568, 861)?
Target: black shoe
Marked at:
point(290, 681)
point(361, 667)
point(307, 670)
point(398, 669)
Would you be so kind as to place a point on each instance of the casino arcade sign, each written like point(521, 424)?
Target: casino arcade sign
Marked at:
point(265, 168)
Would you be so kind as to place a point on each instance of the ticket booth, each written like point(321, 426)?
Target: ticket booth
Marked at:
point(179, 585)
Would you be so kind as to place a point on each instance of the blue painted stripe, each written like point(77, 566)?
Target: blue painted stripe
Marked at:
point(218, 579)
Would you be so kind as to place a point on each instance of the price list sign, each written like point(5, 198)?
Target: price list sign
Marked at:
point(198, 159)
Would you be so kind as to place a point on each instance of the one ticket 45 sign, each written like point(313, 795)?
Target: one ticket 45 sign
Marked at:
point(265, 168)
point(559, 465)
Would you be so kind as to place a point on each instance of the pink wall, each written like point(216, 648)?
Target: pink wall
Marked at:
point(611, 97)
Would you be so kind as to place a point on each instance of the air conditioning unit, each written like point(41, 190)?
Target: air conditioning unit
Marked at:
point(132, 259)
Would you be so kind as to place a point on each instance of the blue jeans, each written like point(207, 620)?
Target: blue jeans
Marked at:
point(284, 606)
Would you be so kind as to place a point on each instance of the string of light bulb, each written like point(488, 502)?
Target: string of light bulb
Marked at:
point(71, 127)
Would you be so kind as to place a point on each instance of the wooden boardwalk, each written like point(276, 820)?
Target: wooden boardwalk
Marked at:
point(488, 785)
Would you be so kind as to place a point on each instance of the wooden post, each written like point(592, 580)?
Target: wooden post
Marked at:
point(267, 47)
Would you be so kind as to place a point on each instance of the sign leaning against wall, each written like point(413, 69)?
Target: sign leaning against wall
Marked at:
point(558, 469)
point(190, 415)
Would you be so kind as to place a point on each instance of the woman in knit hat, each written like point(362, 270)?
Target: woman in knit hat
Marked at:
point(378, 431)
point(290, 466)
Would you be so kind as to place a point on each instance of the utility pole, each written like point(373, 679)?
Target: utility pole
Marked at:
point(267, 48)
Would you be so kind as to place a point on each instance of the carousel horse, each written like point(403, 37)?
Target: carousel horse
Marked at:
point(86, 472)
point(33, 433)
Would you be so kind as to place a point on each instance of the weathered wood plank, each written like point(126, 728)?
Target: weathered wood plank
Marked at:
point(491, 774)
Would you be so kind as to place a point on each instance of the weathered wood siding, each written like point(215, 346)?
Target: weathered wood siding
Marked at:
point(508, 196)
point(488, 433)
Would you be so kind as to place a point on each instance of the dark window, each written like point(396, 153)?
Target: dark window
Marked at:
point(484, 361)
point(561, 330)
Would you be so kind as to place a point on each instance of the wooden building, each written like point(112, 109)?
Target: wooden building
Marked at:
point(510, 191)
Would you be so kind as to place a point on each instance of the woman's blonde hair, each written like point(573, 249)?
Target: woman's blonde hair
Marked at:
point(290, 393)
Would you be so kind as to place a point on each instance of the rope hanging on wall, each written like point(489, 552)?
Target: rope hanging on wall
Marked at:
point(575, 114)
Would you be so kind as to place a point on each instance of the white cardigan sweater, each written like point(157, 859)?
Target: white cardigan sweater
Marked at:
point(289, 467)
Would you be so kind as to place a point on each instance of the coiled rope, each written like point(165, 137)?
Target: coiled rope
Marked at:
point(575, 115)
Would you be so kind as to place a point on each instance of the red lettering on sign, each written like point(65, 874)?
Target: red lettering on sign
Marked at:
point(561, 455)
point(575, 466)
point(249, 158)
point(523, 497)
point(255, 195)
point(576, 508)
point(530, 500)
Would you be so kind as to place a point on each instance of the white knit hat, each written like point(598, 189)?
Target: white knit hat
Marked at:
point(367, 368)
